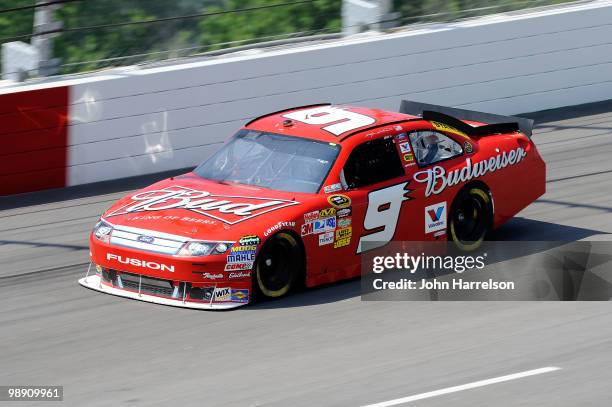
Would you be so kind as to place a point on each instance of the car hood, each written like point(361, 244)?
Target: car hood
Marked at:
point(196, 208)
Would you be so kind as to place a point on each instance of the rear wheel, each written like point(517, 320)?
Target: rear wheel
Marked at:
point(471, 218)
point(278, 266)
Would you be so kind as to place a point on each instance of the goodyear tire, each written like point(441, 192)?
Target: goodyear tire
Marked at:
point(471, 218)
point(278, 266)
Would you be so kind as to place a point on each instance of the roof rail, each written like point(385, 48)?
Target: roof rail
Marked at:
point(286, 110)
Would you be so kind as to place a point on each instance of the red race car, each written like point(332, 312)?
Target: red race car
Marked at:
point(292, 198)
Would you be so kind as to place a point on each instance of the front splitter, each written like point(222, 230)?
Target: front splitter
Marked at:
point(94, 282)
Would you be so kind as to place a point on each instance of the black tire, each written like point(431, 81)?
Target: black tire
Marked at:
point(471, 218)
point(278, 266)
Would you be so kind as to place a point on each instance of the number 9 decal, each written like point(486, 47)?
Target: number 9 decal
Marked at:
point(384, 206)
point(346, 120)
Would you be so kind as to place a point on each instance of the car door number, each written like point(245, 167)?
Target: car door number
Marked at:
point(382, 215)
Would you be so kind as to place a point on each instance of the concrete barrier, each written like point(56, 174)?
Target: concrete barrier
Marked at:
point(142, 120)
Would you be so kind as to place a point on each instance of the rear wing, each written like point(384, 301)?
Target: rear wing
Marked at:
point(453, 117)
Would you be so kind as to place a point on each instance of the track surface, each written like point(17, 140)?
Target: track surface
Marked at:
point(322, 347)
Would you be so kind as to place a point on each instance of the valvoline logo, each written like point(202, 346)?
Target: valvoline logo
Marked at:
point(435, 217)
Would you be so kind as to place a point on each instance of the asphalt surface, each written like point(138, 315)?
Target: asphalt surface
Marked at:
point(320, 347)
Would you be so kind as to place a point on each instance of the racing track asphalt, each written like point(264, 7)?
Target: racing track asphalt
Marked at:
point(321, 347)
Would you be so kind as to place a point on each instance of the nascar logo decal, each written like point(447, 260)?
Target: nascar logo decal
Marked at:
point(438, 180)
point(225, 208)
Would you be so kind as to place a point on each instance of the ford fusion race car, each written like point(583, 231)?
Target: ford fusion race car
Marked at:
point(294, 196)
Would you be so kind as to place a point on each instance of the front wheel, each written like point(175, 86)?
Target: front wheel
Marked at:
point(471, 218)
point(278, 266)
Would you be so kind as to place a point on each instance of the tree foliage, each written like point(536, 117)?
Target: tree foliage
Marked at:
point(93, 48)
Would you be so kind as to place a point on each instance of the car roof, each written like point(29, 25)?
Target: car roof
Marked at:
point(284, 122)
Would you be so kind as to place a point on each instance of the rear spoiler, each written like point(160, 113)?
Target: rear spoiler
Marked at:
point(450, 116)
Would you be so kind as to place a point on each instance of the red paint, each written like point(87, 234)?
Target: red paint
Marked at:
point(33, 128)
point(396, 204)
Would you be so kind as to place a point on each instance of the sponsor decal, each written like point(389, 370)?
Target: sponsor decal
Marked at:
point(248, 265)
point(467, 146)
point(342, 242)
point(140, 263)
point(307, 229)
point(326, 238)
point(240, 295)
point(279, 226)
point(339, 201)
point(401, 136)
point(207, 293)
point(249, 240)
point(211, 276)
point(222, 294)
point(328, 189)
point(344, 222)
point(239, 274)
point(225, 208)
point(342, 233)
point(398, 128)
point(438, 179)
point(145, 239)
point(319, 226)
point(311, 216)
point(446, 127)
point(241, 257)
point(440, 233)
point(344, 212)
point(405, 148)
point(408, 157)
point(236, 249)
point(326, 213)
point(435, 217)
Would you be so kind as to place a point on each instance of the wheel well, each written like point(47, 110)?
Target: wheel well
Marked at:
point(298, 238)
point(485, 187)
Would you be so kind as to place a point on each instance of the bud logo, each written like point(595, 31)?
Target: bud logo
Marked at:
point(435, 217)
point(140, 263)
point(225, 208)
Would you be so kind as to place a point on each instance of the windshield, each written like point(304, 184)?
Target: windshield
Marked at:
point(272, 161)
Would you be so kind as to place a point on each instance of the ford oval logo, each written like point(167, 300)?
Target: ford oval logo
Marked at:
point(145, 239)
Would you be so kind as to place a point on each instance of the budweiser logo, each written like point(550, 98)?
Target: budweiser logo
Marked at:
point(225, 208)
point(437, 179)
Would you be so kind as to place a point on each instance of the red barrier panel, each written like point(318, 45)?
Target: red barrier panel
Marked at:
point(34, 135)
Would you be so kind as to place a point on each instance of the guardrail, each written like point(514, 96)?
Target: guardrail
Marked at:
point(138, 121)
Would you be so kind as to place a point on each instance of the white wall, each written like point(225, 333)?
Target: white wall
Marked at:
point(151, 120)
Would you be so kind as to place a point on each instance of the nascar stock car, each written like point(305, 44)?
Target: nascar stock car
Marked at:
point(293, 197)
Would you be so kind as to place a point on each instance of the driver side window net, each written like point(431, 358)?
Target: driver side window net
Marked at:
point(372, 162)
point(431, 147)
